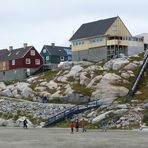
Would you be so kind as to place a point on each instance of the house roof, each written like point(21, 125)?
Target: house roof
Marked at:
point(93, 28)
point(3, 54)
point(56, 50)
point(18, 53)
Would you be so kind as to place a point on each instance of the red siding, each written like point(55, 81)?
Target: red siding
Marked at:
point(21, 63)
point(32, 65)
point(18, 64)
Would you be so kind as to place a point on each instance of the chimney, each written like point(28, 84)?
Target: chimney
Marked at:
point(25, 45)
point(52, 44)
point(10, 48)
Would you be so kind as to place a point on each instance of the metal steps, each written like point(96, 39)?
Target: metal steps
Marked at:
point(73, 110)
point(137, 79)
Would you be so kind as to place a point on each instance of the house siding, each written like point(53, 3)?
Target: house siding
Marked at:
point(4, 65)
point(32, 58)
point(95, 54)
point(21, 63)
point(15, 74)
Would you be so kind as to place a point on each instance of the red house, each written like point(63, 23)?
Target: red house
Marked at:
point(22, 62)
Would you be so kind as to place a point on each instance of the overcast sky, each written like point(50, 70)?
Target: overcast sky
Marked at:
point(40, 22)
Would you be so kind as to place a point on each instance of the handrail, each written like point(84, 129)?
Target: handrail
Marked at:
point(70, 111)
point(137, 79)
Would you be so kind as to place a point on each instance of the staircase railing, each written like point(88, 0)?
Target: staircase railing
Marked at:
point(137, 79)
point(73, 110)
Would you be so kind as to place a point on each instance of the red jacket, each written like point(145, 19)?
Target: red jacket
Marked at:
point(72, 125)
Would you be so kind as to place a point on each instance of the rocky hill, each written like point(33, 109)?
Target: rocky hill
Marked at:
point(77, 82)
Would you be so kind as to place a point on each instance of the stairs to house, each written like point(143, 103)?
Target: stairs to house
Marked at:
point(73, 110)
point(137, 79)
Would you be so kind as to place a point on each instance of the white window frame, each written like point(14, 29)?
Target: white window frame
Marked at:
point(32, 52)
point(47, 58)
point(62, 58)
point(13, 62)
point(37, 62)
point(28, 61)
point(44, 51)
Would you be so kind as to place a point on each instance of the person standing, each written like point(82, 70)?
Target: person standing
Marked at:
point(77, 125)
point(83, 126)
point(104, 125)
point(25, 123)
point(72, 127)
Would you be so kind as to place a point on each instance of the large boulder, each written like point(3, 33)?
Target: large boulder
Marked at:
point(109, 91)
point(52, 85)
point(83, 79)
point(100, 117)
point(110, 78)
point(75, 70)
point(7, 92)
point(125, 75)
point(2, 86)
point(130, 66)
point(27, 92)
point(94, 80)
point(146, 106)
point(115, 64)
point(19, 122)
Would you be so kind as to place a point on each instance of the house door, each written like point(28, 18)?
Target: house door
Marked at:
point(28, 72)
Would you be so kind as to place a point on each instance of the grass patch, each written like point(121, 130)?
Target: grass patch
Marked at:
point(78, 88)
point(139, 58)
point(49, 75)
point(70, 79)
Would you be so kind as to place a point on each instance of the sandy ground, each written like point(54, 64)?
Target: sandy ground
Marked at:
point(62, 138)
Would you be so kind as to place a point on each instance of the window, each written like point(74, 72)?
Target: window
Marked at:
point(37, 61)
point(13, 62)
point(17, 52)
point(44, 50)
point(28, 61)
point(9, 54)
point(95, 40)
point(32, 52)
point(114, 28)
point(62, 58)
point(47, 58)
point(78, 42)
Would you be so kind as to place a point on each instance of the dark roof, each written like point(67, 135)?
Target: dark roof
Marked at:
point(93, 28)
point(56, 50)
point(3, 54)
point(18, 53)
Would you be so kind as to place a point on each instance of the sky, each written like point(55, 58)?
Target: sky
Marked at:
point(42, 22)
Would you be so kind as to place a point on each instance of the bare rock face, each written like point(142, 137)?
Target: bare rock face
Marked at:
point(75, 70)
point(115, 64)
point(83, 79)
point(52, 85)
point(109, 91)
point(146, 106)
point(2, 86)
point(125, 75)
point(130, 66)
point(110, 78)
point(94, 80)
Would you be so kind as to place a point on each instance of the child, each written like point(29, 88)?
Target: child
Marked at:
point(72, 127)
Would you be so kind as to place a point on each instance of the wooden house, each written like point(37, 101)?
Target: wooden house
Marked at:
point(103, 40)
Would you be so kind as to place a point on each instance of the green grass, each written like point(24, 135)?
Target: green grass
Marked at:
point(140, 58)
point(49, 75)
point(78, 88)
point(143, 88)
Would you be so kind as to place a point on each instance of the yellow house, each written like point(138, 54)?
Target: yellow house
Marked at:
point(104, 39)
